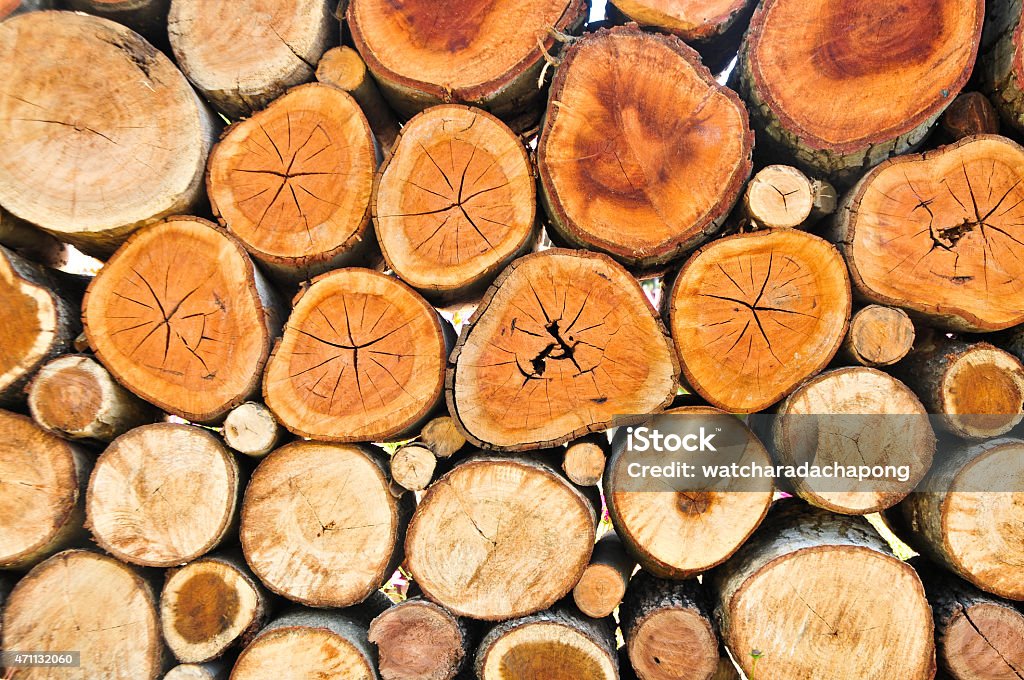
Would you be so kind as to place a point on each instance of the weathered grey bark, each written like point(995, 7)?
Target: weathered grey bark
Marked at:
point(1000, 62)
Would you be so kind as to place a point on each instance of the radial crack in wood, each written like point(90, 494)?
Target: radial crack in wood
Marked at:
point(181, 317)
point(455, 203)
point(319, 523)
point(362, 359)
point(497, 538)
point(120, 143)
point(563, 343)
point(841, 86)
point(753, 315)
point(642, 154)
point(293, 182)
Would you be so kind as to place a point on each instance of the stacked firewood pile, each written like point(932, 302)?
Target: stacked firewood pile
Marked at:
point(328, 347)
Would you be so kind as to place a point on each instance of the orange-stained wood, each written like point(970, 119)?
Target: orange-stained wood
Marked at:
point(563, 343)
point(753, 315)
point(293, 182)
point(941, 234)
point(362, 359)
point(642, 154)
point(689, 19)
point(456, 202)
point(182, 319)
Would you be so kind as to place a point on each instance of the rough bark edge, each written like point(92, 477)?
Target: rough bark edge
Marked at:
point(464, 628)
point(505, 96)
point(268, 308)
point(403, 507)
point(699, 232)
point(842, 163)
point(1000, 58)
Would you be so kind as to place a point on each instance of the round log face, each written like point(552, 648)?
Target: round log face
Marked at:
point(244, 54)
point(293, 182)
point(176, 317)
point(642, 153)
point(689, 19)
point(983, 533)
point(982, 392)
point(754, 314)
point(39, 488)
point(319, 524)
point(205, 607)
point(362, 359)
point(484, 44)
point(70, 403)
point(104, 610)
point(162, 495)
point(680, 534)
point(562, 343)
point(843, 75)
point(779, 196)
point(28, 323)
point(939, 233)
point(455, 202)
point(546, 650)
point(417, 640)
point(880, 336)
point(99, 132)
point(599, 591)
point(833, 612)
point(984, 641)
point(673, 644)
point(300, 652)
point(496, 539)
point(873, 419)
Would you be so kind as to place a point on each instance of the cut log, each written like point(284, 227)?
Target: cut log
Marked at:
point(558, 644)
point(1001, 62)
point(817, 595)
point(497, 538)
point(712, 27)
point(214, 670)
point(316, 384)
point(162, 495)
point(939, 234)
point(970, 114)
point(148, 17)
point(780, 196)
point(975, 389)
point(181, 318)
point(447, 225)
point(30, 242)
point(968, 515)
point(342, 67)
point(38, 320)
point(585, 459)
point(412, 467)
point(319, 524)
point(642, 154)
point(603, 584)
point(122, 142)
point(785, 291)
point(293, 182)
point(242, 55)
point(680, 531)
point(42, 493)
point(309, 644)
point(419, 640)
point(211, 605)
point(92, 604)
point(10, 8)
point(250, 429)
point(441, 435)
point(878, 336)
point(838, 88)
point(534, 368)
point(75, 397)
point(854, 417)
point(489, 55)
point(978, 636)
point(667, 629)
